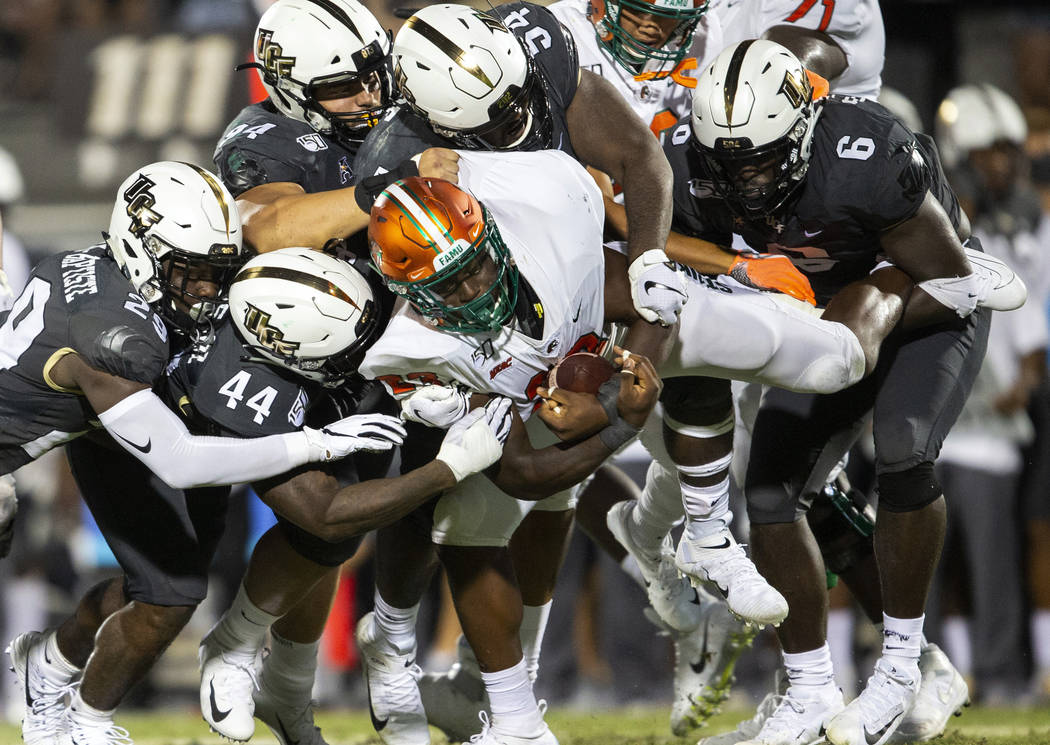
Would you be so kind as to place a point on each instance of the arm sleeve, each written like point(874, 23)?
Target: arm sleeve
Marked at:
point(147, 429)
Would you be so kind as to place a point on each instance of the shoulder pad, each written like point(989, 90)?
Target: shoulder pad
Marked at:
point(119, 349)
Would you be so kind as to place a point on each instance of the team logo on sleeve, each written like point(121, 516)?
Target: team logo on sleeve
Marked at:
point(257, 322)
point(140, 201)
point(312, 142)
point(297, 413)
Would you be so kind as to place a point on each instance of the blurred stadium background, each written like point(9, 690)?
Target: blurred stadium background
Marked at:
point(93, 88)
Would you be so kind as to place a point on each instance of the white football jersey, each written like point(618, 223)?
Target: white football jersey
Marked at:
point(855, 25)
point(660, 103)
point(550, 214)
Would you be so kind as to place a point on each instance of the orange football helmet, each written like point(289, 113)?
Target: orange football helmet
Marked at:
point(423, 232)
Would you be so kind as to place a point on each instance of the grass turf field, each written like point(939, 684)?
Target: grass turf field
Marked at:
point(642, 726)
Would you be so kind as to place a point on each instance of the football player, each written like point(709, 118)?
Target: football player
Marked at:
point(434, 337)
point(837, 184)
point(82, 346)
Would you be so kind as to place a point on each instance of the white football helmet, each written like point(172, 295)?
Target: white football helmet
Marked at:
point(976, 117)
point(306, 311)
point(312, 50)
point(171, 222)
point(471, 79)
point(752, 121)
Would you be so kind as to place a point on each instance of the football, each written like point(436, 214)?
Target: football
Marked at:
point(581, 372)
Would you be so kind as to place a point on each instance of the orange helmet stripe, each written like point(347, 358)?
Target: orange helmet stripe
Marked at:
point(421, 216)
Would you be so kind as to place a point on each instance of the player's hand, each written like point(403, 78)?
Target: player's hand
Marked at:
point(640, 387)
point(475, 442)
point(569, 415)
point(435, 405)
point(772, 272)
point(372, 432)
point(439, 162)
point(658, 289)
point(8, 510)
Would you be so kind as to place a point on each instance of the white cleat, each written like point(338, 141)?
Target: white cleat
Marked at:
point(99, 733)
point(799, 717)
point(46, 691)
point(942, 693)
point(490, 736)
point(873, 717)
point(228, 682)
point(455, 700)
point(391, 678)
point(670, 595)
point(750, 728)
point(290, 721)
point(1000, 287)
point(746, 591)
point(704, 662)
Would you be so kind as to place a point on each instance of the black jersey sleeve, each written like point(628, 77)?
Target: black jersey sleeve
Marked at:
point(119, 344)
point(261, 146)
point(698, 212)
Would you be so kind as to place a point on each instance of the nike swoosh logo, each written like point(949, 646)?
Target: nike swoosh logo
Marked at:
point(650, 284)
point(575, 317)
point(46, 658)
point(377, 723)
point(724, 545)
point(141, 448)
point(873, 737)
point(285, 737)
point(698, 667)
point(813, 234)
point(253, 623)
point(217, 714)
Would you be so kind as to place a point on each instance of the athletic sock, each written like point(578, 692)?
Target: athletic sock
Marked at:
point(901, 642)
point(533, 626)
point(397, 625)
point(810, 673)
point(243, 627)
point(512, 702)
point(290, 668)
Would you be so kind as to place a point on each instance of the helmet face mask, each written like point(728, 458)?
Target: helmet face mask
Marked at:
point(752, 124)
point(472, 80)
point(301, 52)
point(305, 311)
point(174, 230)
point(678, 17)
point(439, 248)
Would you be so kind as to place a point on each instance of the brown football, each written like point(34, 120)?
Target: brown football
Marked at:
point(581, 372)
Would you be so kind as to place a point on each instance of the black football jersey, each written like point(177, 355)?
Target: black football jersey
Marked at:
point(219, 391)
point(403, 133)
point(262, 145)
point(77, 301)
point(867, 173)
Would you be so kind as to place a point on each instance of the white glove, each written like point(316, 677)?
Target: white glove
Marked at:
point(359, 432)
point(658, 289)
point(475, 442)
point(435, 405)
point(8, 510)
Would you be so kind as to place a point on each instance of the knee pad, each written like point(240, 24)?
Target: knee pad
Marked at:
point(910, 489)
point(318, 550)
point(696, 401)
point(842, 524)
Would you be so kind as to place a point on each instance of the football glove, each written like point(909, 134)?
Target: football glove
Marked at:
point(8, 510)
point(658, 289)
point(360, 432)
point(773, 273)
point(435, 405)
point(475, 442)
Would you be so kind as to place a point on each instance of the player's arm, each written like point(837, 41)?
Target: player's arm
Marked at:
point(535, 474)
point(281, 214)
point(816, 50)
point(140, 423)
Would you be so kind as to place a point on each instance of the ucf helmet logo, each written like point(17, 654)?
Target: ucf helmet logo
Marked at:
point(797, 91)
point(272, 338)
point(269, 54)
point(140, 201)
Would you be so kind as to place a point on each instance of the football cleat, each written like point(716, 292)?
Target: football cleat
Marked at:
point(99, 733)
point(670, 595)
point(746, 591)
point(490, 736)
point(291, 721)
point(873, 717)
point(799, 717)
point(704, 663)
point(455, 700)
point(1000, 287)
point(228, 682)
point(46, 690)
point(391, 680)
point(751, 727)
point(942, 693)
